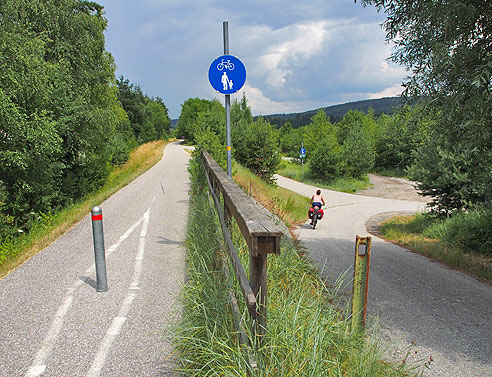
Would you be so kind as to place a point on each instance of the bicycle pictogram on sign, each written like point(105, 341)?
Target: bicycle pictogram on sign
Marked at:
point(225, 64)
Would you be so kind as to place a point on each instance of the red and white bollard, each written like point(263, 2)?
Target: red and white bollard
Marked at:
point(99, 253)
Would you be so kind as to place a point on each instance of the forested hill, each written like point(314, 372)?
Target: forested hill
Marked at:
point(335, 113)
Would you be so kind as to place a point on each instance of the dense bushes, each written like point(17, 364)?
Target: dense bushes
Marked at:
point(468, 231)
point(255, 144)
point(57, 106)
point(62, 125)
point(346, 148)
point(259, 149)
point(359, 143)
point(449, 61)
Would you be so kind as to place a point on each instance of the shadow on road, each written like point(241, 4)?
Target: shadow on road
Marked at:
point(167, 241)
point(89, 281)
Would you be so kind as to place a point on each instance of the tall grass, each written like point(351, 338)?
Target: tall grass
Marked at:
point(289, 206)
point(462, 242)
point(205, 338)
point(307, 335)
point(48, 227)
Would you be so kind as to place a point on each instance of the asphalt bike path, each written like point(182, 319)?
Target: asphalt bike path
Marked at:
point(52, 320)
point(417, 304)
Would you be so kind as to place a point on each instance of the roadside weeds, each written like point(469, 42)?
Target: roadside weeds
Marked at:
point(394, 230)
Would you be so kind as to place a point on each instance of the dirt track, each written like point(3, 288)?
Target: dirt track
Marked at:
point(393, 188)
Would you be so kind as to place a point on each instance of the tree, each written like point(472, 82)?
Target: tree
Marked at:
point(208, 140)
point(355, 136)
point(148, 116)
point(241, 118)
point(189, 114)
point(214, 118)
point(312, 134)
point(400, 135)
point(259, 149)
point(159, 114)
point(133, 101)
point(58, 104)
point(326, 159)
point(447, 47)
point(446, 44)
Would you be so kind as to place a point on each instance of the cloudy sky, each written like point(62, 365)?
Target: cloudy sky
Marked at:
point(299, 55)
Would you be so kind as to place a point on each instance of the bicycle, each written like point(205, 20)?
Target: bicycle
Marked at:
point(315, 214)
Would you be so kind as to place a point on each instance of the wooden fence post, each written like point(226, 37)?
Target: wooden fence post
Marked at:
point(258, 281)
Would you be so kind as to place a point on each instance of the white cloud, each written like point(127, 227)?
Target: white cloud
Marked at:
point(298, 56)
point(316, 61)
point(303, 42)
point(259, 103)
point(392, 91)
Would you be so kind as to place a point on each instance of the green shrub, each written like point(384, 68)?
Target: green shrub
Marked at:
point(120, 150)
point(325, 162)
point(207, 139)
point(469, 231)
point(259, 150)
point(357, 153)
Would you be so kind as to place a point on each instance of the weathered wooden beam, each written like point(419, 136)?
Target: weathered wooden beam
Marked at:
point(261, 233)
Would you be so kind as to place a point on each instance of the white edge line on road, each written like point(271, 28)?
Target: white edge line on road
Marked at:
point(140, 253)
point(39, 364)
point(113, 330)
point(118, 321)
point(124, 236)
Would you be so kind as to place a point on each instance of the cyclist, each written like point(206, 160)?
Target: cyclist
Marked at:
point(317, 201)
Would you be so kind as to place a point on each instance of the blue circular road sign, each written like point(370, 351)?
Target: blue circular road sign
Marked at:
point(227, 74)
point(303, 151)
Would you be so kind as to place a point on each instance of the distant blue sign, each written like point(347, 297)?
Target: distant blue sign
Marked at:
point(303, 151)
point(227, 74)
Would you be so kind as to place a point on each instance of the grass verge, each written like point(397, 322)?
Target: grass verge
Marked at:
point(307, 335)
point(344, 184)
point(51, 227)
point(289, 206)
point(421, 235)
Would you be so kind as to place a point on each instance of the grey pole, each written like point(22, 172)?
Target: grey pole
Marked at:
point(100, 257)
point(302, 163)
point(227, 105)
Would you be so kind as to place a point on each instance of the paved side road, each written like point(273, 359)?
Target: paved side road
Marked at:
point(52, 320)
point(446, 314)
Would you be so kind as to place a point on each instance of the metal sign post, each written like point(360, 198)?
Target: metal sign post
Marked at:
point(227, 75)
point(227, 105)
point(302, 156)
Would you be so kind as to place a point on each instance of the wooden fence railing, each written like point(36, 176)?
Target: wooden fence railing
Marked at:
point(260, 232)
